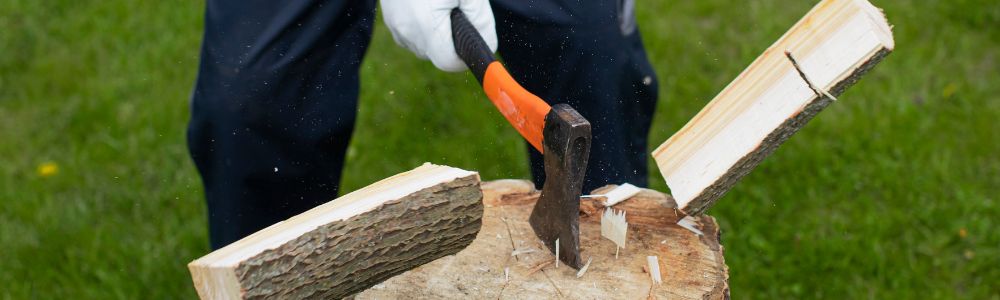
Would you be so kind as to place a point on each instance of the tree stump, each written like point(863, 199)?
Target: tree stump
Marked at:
point(691, 266)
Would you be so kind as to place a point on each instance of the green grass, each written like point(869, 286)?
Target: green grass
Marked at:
point(867, 201)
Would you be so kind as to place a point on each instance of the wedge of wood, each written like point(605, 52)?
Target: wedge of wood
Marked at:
point(349, 244)
point(692, 266)
point(834, 45)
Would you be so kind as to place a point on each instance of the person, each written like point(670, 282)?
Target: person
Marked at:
point(276, 96)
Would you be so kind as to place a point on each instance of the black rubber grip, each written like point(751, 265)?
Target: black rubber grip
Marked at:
point(469, 45)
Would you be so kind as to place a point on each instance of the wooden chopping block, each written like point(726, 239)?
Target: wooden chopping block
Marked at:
point(692, 266)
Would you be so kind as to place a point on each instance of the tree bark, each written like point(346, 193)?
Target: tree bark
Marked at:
point(692, 266)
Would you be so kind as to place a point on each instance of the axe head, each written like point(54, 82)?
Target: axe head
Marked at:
point(556, 216)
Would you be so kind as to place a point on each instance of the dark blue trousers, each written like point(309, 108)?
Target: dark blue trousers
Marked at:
point(275, 101)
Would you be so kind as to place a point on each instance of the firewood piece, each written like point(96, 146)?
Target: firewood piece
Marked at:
point(831, 47)
point(349, 244)
point(693, 267)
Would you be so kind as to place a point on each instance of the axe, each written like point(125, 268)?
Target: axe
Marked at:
point(559, 132)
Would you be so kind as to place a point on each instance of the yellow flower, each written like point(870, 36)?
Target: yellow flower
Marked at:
point(47, 169)
point(949, 90)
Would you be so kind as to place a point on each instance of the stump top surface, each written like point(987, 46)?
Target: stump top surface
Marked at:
point(691, 266)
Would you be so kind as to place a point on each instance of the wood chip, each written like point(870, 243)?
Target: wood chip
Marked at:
point(654, 269)
point(689, 224)
point(557, 253)
point(621, 193)
point(584, 269)
point(517, 252)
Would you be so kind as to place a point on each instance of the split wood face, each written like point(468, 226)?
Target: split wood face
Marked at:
point(822, 55)
point(556, 215)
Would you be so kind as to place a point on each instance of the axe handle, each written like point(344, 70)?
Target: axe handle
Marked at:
point(525, 111)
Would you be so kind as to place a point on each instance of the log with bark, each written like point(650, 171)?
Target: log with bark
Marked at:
point(826, 52)
point(347, 245)
point(507, 261)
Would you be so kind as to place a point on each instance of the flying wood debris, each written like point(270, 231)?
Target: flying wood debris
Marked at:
point(621, 193)
point(618, 194)
point(825, 53)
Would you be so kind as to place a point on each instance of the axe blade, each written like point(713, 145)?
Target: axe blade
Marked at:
point(556, 215)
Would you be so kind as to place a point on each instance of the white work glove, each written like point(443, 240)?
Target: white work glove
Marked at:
point(424, 27)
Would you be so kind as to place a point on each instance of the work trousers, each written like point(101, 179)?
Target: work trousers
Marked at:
point(276, 96)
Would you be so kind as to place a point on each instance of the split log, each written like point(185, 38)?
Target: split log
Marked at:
point(692, 266)
point(349, 244)
point(829, 50)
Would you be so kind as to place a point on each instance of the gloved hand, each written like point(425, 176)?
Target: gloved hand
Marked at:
point(424, 27)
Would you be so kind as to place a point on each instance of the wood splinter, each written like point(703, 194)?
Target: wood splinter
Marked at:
point(654, 269)
point(618, 194)
point(557, 253)
point(521, 251)
point(539, 267)
point(688, 223)
point(585, 266)
point(615, 228)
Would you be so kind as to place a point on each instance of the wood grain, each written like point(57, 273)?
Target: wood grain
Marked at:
point(836, 43)
point(692, 267)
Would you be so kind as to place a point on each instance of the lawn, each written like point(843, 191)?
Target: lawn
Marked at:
point(891, 193)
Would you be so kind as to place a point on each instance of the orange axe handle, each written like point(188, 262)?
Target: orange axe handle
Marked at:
point(525, 111)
